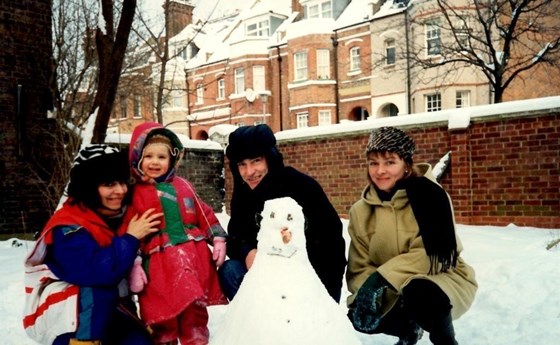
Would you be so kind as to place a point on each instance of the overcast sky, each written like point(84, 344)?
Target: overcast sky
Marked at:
point(202, 7)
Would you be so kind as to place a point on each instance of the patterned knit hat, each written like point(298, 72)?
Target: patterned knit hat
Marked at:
point(93, 151)
point(391, 139)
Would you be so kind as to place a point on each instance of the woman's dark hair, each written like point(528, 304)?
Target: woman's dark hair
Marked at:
point(96, 165)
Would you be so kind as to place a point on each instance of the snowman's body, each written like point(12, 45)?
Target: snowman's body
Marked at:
point(282, 300)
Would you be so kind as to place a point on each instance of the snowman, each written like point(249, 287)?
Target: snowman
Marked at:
point(281, 299)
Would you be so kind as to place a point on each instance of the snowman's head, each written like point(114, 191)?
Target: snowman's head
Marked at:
point(282, 226)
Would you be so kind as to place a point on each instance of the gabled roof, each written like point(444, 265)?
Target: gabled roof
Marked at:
point(358, 12)
point(221, 33)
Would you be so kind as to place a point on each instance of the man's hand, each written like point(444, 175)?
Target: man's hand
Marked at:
point(250, 258)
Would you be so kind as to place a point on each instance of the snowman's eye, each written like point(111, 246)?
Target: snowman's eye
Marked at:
point(289, 216)
point(272, 214)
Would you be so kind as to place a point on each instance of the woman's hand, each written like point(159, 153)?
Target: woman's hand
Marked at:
point(141, 226)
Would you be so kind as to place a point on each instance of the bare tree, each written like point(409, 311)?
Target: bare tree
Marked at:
point(500, 38)
point(79, 68)
point(71, 84)
point(111, 47)
point(157, 39)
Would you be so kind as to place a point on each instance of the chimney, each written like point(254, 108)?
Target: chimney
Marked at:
point(178, 14)
point(296, 7)
point(374, 6)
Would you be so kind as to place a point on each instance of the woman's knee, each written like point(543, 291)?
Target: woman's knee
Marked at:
point(422, 296)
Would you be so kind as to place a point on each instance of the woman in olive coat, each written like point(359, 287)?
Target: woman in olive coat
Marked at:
point(405, 273)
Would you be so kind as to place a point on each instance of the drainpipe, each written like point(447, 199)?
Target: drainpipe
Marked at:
point(281, 115)
point(335, 63)
point(20, 120)
point(406, 28)
point(188, 103)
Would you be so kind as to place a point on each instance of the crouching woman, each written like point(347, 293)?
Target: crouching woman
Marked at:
point(405, 273)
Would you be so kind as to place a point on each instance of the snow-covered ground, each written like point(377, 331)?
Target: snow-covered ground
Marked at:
point(518, 300)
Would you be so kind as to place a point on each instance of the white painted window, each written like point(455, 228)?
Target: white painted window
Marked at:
point(302, 120)
point(300, 65)
point(461, 29)
point(324, 117)
point(239, 76)
point(258, 78)
point(463, 99)
point(433, 39)
point(390, 52)
point(354, 59)
point(124, 108)
point(199, 93)
point(319, 9)
point(221, 88)
point(323, 64)
point(260, 28)
point(138, 106)
point(177, 96)
point(433, 102)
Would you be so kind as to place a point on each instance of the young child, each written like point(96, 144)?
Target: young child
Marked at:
point(178, 267)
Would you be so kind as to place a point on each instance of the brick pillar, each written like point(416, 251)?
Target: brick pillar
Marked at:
point(460, 181)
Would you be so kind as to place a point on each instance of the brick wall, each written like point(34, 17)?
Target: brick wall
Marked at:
point(25, 132)
point(504, 168)
point(204, 169)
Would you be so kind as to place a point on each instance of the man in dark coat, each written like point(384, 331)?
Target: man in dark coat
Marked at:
point(259, 174)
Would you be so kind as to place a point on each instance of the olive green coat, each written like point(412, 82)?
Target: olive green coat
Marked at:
point(385, 237)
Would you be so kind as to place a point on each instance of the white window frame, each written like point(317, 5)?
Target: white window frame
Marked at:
point(432, 32)
point(258, 78)
point(200, 93)
point(260, 28)
point(124, 108)
point(239, 77)
point(302, 120)
point(433, 102)
point(323, 64)
point(137, 107)
point(324, 118)
point(177, 97)
point(463, 99)
point(319, 9)
point(221, 88)
point(354, 59)
point(326, 9)
point(300, 65)
point(462, 31)
point(184, 52)
point(390, 52)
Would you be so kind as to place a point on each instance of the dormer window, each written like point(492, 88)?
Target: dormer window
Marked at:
point(259, 28)
point(319, 9)
point(188, 52)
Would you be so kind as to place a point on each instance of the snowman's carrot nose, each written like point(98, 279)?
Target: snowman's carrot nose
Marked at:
point(286, 235)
